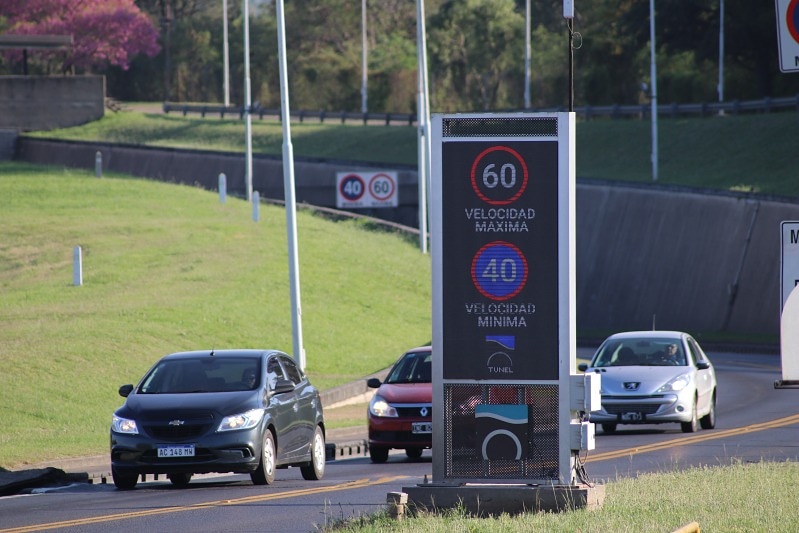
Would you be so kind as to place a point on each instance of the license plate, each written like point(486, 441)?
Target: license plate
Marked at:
point(422, 427)
point(632, 417)
point(176, 451)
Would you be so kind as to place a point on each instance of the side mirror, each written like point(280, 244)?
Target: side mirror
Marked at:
point(582, 367)
point(703, 364)
point(373, 383)
point(283, 385)
point(125, 390)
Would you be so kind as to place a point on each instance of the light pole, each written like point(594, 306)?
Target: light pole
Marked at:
point(654, 91)
point(364, 107)
point(247, 102)
point(226, 54)
point(424, 142)
point(288, 189)
point(721, 52)
point(527, 57)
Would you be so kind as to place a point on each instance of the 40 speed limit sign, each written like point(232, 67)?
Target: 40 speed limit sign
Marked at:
point(355, 190)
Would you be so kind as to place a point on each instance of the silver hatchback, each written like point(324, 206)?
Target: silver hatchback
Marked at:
point(653, 377)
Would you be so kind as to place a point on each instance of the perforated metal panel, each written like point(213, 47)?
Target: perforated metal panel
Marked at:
point(500, 127)
point(464, 458)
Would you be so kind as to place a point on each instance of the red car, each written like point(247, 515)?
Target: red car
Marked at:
point(400, 413)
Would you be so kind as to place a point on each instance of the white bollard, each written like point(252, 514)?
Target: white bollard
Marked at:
point(98, 165)
point(77, 266)
point(255, 203)
point(222, 188)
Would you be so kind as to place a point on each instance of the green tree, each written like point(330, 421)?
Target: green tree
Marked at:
point(475, 46)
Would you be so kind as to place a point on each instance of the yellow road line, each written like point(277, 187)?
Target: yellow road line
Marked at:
point(695, 438)
point(204, 505)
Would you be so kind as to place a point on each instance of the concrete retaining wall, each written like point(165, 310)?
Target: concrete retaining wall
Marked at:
point(46, 102)
point(681, 259)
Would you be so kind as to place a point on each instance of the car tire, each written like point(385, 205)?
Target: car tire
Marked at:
point(609, 428)
point(265, 473)
point(690, 426)
point(315, 470)
point(709, 420)
point(378, 454)
point(124, 480)
point(413, 453)
point(179, 479)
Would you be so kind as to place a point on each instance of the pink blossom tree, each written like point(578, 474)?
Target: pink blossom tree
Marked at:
point(105, 32)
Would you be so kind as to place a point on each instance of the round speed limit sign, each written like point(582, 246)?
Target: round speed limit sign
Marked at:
point(499, 175)
point(382, 186)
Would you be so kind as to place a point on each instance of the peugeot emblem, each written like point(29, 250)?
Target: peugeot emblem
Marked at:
point(423, 411)
point(176, 423)
point(631, 385)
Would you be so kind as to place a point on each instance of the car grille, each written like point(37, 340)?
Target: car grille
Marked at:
point(415, 411)
point(176, 433)
point(631, 404)
point(179, 426)
point(403, 436)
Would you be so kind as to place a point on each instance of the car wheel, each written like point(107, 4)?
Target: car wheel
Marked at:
point(609, 428)
point(709, 420)
point(378, 455)
point(691, 425)
point(316, 468)
point(179, 479)
point(413, 453)
point(265, 473)
point(124, 480)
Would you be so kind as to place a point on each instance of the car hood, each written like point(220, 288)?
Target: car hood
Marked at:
point(650, 378)
point(223, 403)
point(406, 392)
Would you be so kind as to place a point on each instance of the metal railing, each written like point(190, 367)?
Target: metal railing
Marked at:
point(640, 111)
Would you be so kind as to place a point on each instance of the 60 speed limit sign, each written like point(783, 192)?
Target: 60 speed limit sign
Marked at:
point(355, 190)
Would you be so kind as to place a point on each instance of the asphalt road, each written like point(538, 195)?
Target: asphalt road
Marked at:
point(755, 422)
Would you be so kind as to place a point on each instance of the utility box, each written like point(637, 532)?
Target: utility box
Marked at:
point(585, 392)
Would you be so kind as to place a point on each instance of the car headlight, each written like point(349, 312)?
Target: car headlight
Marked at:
point(124, 425)
point(379, 407)
point(676, 384)
point(247, 420)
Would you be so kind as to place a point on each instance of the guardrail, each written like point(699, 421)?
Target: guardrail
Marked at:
point(706, 109)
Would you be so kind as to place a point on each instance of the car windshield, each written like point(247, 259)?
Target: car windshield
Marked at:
point(414, 367)
point(640, 352)
point(202, 374)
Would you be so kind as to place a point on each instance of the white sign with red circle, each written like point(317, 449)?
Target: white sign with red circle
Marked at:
point(788, 34)
point(356, 190)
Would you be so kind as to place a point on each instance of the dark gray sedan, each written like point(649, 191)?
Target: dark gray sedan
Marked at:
point(241, 411)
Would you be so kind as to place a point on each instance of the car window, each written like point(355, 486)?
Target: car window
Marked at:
point(640, 352)
point(292, 370)
point(273, 371)
point(203, 374)
point(413, 367)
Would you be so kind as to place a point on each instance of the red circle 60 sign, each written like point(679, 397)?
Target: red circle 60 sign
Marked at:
point(499, 175)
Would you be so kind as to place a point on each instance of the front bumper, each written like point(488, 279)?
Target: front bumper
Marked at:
point(397, 433)
point(645, 409)
point(235, 451)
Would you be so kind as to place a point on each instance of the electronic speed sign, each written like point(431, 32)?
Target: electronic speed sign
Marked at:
point(503, 277)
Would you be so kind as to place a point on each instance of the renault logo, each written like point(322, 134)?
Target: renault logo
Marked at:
point(176, 423)
point(423, 411)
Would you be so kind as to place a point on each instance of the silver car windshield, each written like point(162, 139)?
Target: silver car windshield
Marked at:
point(206, 374)
point(641, 352)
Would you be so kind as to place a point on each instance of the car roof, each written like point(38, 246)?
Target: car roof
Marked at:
point(247, 352)
point(651, 334)
point(427, 349)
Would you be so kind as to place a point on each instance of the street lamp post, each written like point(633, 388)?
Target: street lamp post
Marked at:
point(654, 90)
